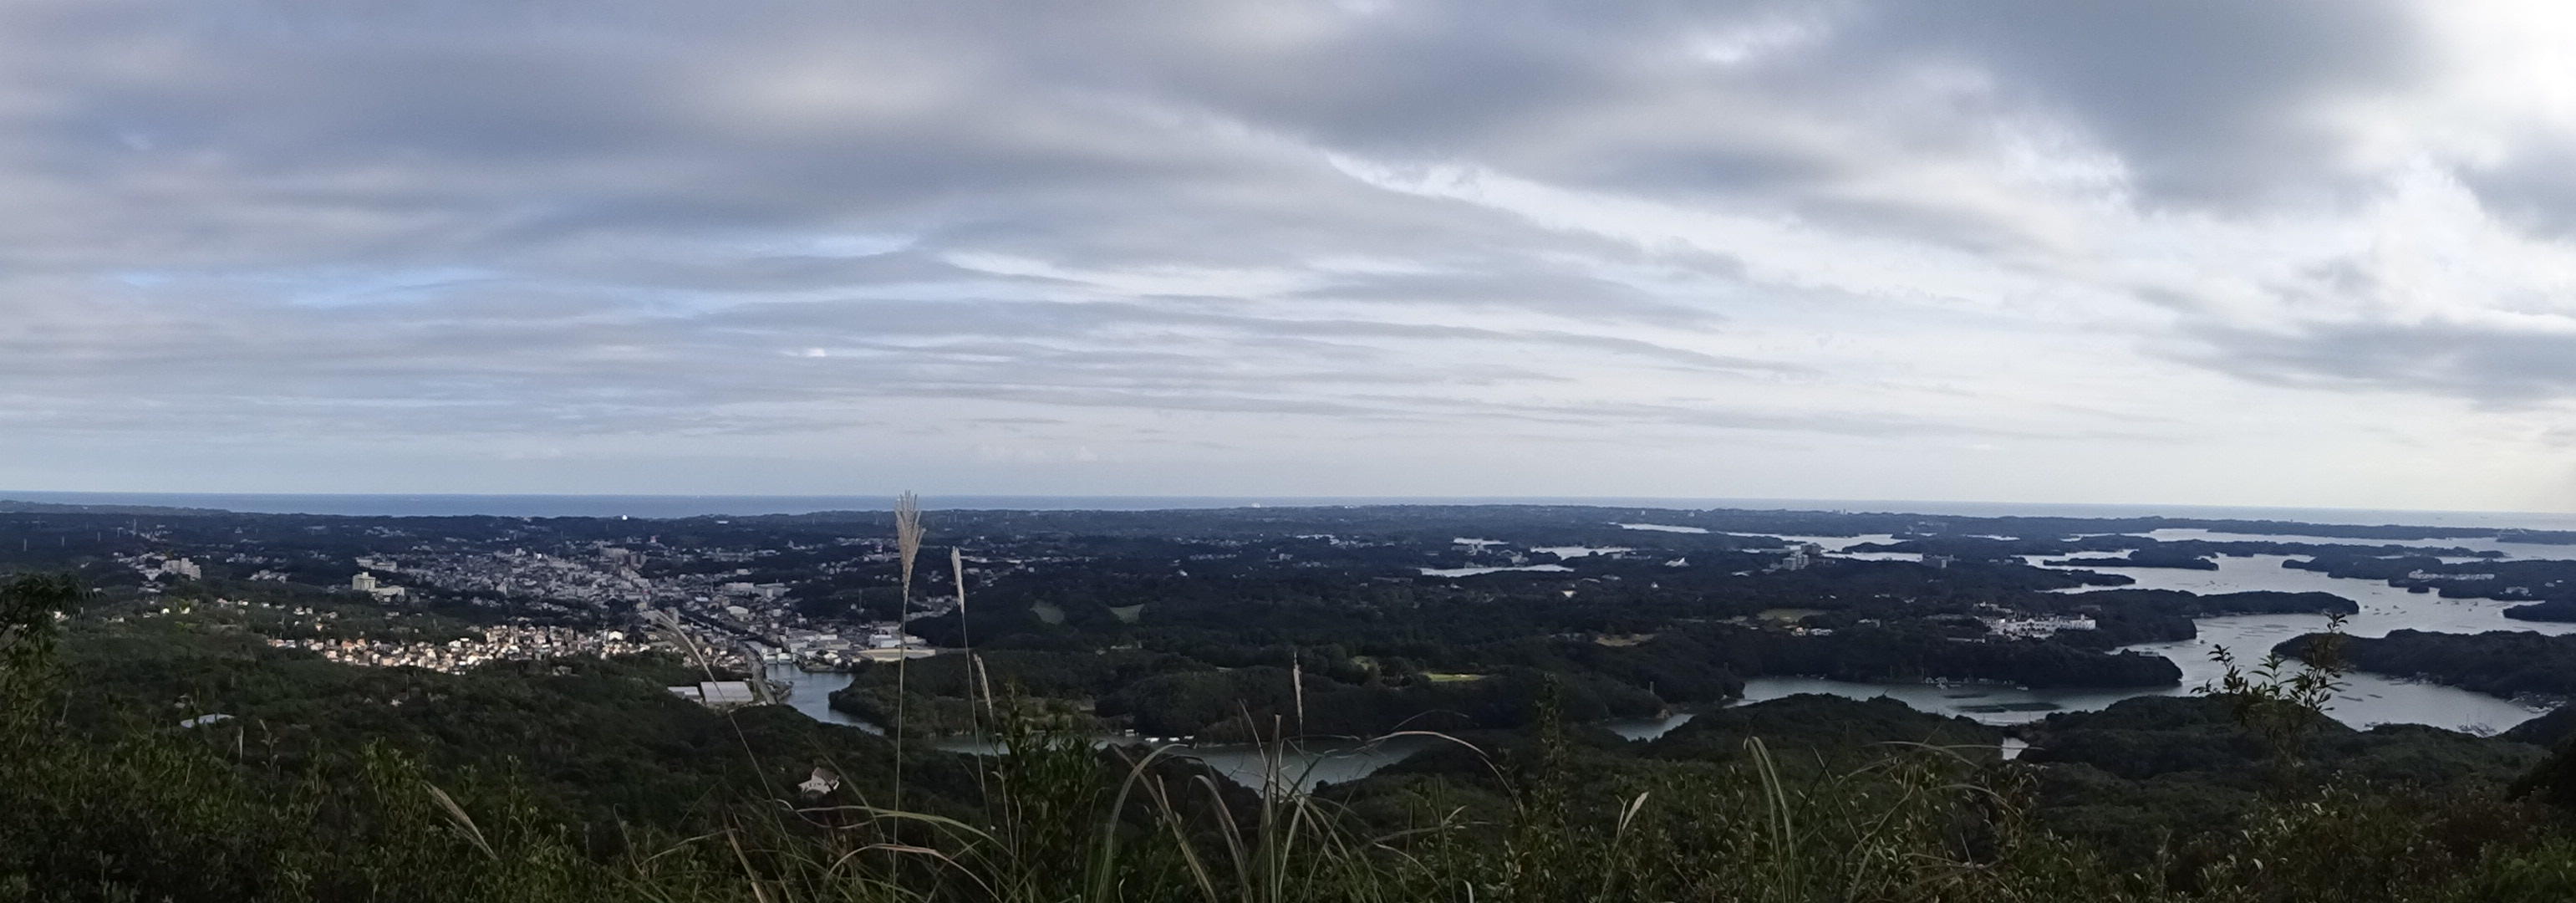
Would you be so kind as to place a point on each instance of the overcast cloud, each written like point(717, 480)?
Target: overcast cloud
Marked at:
point(2254, 253)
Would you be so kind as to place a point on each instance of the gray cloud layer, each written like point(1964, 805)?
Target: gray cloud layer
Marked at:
point(1796, 241)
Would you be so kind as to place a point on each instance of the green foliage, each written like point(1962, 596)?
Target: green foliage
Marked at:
point(461, 795)
point(2499, 662)
point(2280, 705)
point(28, 605)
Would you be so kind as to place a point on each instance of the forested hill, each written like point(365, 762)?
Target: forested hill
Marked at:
point(2498, 662)
point(484, 708)
point(583, 780)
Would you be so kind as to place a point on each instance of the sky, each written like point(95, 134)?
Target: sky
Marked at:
point(2317, 254)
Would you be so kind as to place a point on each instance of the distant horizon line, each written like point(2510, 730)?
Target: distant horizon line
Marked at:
point(36, 496)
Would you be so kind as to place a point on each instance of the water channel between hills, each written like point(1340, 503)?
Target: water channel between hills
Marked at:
point(1306, 766)
point(2367, 700)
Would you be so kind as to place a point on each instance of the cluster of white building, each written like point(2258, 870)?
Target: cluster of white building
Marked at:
point(725, 601)
point(154, 566)
point(610, 577)
point(503, 643)
point(2035, 627)
point(819, 650)
point(717, 694)
point(368, 583)
point(606, 575)
point(1800, 557)
point(754, 592)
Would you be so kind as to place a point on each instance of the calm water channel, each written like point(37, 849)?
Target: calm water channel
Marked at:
point(2370, 698)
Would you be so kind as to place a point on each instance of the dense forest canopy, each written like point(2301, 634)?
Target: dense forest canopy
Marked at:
point(1511, 632)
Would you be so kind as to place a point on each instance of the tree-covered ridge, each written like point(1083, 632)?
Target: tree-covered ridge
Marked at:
point(1227, 625)
point(1634, 620)
point(583, 781)
point(2498, 662)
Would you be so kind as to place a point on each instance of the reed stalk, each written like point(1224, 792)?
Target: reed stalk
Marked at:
point(907, 539)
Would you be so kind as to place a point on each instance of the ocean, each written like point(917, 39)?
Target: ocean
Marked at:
point(538, 505)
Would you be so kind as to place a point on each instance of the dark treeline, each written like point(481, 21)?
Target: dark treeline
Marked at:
point(2123, 776)
point(1636, 630)
point(2511, 579)
point(2205, 605)
point(1669, 619)
point(2498, 662)
point(2554, 610)
point(2144, 551)
point(1876, 654)
point(2141, 558)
